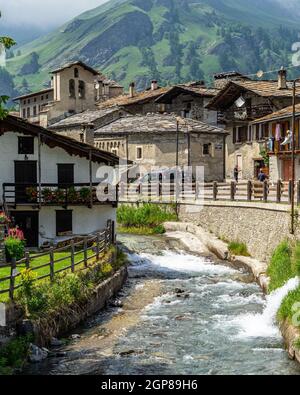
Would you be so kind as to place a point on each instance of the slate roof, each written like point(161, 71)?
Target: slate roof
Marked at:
point(156, 123)
point(86, 117)
point(138, 98)
point(267, 89)
point(52, 139)
point(286, 112)
point(41, 92)
point(77, 63)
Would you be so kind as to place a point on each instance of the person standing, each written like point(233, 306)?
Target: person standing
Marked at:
point(236, 173)
point(262, 176)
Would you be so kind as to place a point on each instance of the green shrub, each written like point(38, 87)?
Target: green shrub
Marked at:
point(282, 268)
point(145, 216)
point(15, 248)
point(238, 248)
point(14, 354)
point(286, 309)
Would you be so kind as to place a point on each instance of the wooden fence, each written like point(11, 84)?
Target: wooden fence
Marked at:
point(189, 193)
point(90, 247)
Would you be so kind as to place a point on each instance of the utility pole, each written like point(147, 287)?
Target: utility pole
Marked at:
point(293, 159)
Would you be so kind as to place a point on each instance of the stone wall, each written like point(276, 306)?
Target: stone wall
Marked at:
point(261, 226)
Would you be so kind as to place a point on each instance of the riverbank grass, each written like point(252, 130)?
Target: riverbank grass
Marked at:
point(43, 260)
point(239, 249)
point(146, 219)
point(285, 265)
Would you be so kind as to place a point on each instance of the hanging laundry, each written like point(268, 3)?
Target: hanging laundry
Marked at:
point(288, 138)
point(278, 132)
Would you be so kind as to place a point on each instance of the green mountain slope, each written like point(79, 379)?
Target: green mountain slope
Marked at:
point(170, 40)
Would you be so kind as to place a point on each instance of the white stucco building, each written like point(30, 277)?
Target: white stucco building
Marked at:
point(48, 183)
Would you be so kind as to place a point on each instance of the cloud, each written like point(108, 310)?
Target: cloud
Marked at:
point(43, 13)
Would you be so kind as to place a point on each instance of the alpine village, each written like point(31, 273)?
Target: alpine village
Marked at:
point(149, 213)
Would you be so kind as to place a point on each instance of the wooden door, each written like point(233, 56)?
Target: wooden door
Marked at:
point(28, 222)
point(287, 170)
point(25, 177)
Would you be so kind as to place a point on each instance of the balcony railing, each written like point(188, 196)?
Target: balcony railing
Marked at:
point(244, 113)
point(51, 194)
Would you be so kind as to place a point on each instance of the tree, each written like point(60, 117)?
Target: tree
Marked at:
point(7, 43)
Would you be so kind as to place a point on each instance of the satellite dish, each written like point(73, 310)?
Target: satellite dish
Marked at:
point(260, 74)
point(240, 102)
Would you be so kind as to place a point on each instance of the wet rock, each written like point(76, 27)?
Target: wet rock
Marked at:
point(179, 291)
point(116, 303)
point(75, 337)
point(56, 343)
point(37, 354)
point(130, 352)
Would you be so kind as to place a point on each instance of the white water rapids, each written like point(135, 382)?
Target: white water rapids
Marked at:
point(206, 318)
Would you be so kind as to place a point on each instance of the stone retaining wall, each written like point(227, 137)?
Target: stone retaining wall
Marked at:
point(260, 227)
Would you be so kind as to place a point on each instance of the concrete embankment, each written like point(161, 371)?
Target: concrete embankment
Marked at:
point(262, 226)
point(198, 240)
point(207, 241)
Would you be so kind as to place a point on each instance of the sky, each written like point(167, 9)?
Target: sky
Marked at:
point(47, 14)
point(43, 13)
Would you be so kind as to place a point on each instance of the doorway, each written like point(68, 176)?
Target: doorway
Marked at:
point(28, 222)
point(287, 169)
point(26, 175)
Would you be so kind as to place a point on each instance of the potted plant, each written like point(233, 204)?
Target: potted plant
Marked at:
point(14, 244)
point(85, 195)
point(48, 195)
point(72, 195)
point(32, 193)
point(4, 219)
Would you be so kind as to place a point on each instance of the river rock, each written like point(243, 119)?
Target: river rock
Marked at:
point(37, 354)
point(116, 303)
point(56, 343)
point(75, 337)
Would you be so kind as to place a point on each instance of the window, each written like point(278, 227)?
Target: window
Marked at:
point(76, 73)
point(65, 174)
point(28, 112)
point(205, 149)
point(47, 97)
point(25, 145)
point(64, 222)
point(114, 151)
point(81, 136)
point(42, 98)
point(24, 102)
point(24, 112)
point(34, 111)
point(240, 134)
point(72, 88)
point(28, 101)
point(34, 99)
point(139, 153)
point(81, 89)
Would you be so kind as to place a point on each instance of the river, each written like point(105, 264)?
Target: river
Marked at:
point(180, 314)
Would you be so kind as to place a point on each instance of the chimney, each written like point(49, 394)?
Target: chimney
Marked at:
point(131, 89)
point(282, 78)
point(154, 85)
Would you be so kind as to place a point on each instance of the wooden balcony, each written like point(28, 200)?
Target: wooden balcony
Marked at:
point(35, 195)
point(246, 114)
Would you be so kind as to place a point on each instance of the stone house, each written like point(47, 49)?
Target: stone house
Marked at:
point(151, 140)
point(74, 88)
point(48, 181)
point(185, 100)
point(82, 126)
point(240, 102)
point(278, 125)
